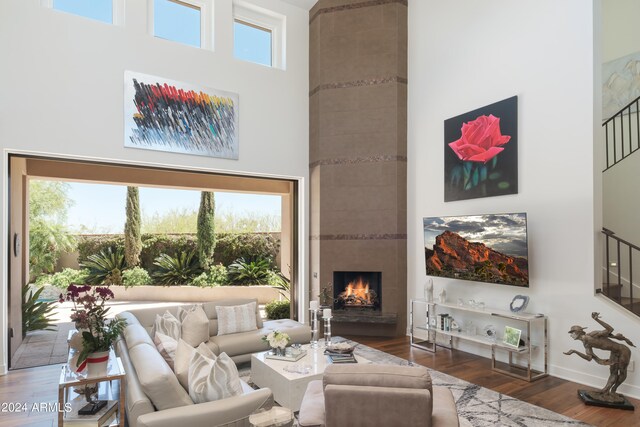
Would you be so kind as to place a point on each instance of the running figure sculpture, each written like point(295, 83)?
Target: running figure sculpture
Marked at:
point(618, 360)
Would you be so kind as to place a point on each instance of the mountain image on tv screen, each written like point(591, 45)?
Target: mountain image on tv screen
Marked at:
point(483, 248)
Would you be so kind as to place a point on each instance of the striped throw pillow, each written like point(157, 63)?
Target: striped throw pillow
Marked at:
point(213, 379)
point(236, 318)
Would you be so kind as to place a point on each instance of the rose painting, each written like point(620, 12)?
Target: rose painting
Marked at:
point(481, 152)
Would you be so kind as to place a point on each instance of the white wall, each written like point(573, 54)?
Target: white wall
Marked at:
point(61, 91)
point(465, 54)
point(621, 32)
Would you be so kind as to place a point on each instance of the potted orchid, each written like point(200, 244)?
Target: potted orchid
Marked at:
point(278, 341)
point(90, 317)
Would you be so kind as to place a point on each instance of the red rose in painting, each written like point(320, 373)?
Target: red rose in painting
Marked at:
point(481, 140)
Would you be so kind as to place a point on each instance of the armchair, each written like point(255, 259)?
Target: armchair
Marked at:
point(377, 395)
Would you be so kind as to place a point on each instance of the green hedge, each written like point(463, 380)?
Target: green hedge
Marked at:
point(229, 246)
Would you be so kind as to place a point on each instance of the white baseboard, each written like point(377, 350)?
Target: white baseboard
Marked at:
point(591, 380)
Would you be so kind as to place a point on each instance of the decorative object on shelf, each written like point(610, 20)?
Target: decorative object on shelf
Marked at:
point(490, 332)
point(313, 323)
point(476, 304)
point(453, 325)
point(167, 115)
point(519, 303)
point(618, 361)
point(97, 363)
point(512, 336)
point(428, 290)
point(325, 296)
point(326, 316)
point(469, 327)
point(90, 315)
point(278, 341)
point(481, 152)
point(442, 296)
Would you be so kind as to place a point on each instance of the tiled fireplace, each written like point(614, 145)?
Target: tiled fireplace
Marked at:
point(358, 163)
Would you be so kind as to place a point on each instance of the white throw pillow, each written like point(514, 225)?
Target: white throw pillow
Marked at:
point(213, 379)
point(184, 354)
point(166, 347)
point(236, 318)
point(166, 325)
point(195, 325)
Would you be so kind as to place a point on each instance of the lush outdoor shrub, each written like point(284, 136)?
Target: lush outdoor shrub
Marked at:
point(105, 267)
point(216, 276)
point(278, 310)
point(281, 282)
point(64, 278)
point(93, 244)
point(229, 247)
point(178, 270)
point(206, 234)
point(136, 276)
point(132, 237)
point(232, 246)
point(36, 315)
point(249, 272)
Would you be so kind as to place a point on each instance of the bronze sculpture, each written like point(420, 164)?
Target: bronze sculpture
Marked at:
point(618, 361)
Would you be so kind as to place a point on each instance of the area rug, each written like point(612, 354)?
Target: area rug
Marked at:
point(477, 406)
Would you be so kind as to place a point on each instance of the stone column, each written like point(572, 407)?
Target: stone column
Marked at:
point(358, 149)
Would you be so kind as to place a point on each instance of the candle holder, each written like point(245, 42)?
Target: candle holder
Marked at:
point(327, 331)
point(313, 320)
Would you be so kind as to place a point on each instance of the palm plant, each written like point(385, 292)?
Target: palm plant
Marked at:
point(105, 267)
point(36, 315)
point(177, 270)
point(249, 272)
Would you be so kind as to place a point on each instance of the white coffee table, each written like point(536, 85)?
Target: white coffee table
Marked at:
point(288, 388)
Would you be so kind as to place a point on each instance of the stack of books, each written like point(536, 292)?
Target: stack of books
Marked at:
point(341, 357)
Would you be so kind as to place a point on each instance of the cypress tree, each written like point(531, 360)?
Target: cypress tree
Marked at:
point(206, 239)
point(132, 235)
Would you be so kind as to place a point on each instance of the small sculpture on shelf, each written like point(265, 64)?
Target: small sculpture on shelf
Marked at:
point(428, 290)
point(618, 361)
point(442, 296)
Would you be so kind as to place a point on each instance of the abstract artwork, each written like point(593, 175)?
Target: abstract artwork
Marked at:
point(481, 152)
point(165, 115)
point(620, 83)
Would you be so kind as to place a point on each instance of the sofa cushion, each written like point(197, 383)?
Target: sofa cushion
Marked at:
point(156, 378)
point(167, 324)
point(212, 314)
point(236, 318)
point(195, 325)
point(136, 334)
point(312, 406)
point(184, 355)
point(166, 346)
point(213, 379)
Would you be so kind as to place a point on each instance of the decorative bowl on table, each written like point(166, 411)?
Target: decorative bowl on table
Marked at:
point(340, 348)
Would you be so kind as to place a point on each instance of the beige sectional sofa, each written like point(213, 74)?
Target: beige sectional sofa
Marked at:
point(155, 398)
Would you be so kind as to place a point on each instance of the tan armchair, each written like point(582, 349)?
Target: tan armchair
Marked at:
point(377, 395)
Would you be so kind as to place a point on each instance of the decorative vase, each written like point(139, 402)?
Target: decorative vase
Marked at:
point(97, 363)
point(277, 351)
point(428, 290)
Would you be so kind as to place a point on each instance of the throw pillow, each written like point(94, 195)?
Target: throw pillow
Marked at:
point(184, 354)
point(236, 318)
point(166, 325)
point(195, 325)
point(213, 379)
point(166, 347)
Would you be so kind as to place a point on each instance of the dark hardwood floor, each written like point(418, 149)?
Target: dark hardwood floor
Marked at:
point(552, 393)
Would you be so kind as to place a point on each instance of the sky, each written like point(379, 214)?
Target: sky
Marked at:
point(101, 207)
point(505, 233)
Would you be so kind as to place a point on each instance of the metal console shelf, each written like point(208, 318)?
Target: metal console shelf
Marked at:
point(532, 322)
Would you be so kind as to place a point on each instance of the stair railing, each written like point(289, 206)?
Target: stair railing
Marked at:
point(622, 132)
point(618, 284)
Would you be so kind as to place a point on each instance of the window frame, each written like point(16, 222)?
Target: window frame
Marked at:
point(263, 19)
point(206, 22)
point(117, 12)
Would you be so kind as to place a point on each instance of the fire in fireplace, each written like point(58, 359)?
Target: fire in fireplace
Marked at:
point(356, 289)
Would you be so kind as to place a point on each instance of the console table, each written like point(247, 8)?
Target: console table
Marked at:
point(530, 324)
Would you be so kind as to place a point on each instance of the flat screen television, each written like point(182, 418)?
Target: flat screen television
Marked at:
point(483, 248)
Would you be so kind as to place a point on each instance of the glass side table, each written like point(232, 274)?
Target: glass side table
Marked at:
point(70, 401)
point(277, 416)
